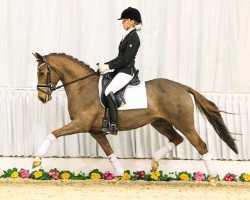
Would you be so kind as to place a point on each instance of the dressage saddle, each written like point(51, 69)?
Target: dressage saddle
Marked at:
point(119, 95)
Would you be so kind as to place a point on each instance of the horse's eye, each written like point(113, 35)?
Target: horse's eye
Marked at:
point(41, 73)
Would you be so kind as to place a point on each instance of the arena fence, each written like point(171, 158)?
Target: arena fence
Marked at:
point(25, 122)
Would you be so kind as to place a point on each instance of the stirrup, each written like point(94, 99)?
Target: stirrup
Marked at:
point(105, 125)
point(113, 129)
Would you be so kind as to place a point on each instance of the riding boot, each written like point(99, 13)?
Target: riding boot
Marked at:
point(111, 104)
point(105, 121)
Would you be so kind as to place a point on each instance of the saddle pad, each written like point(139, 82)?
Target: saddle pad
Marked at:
point(135, 96)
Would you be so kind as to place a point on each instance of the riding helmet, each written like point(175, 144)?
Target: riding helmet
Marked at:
point(131, 13)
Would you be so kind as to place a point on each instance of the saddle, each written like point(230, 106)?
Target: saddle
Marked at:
point(119, 95)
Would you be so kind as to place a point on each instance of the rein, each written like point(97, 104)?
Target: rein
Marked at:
point(79, 79)
point(49, 84)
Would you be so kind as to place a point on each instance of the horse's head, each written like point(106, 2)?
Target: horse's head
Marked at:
point(46, 78)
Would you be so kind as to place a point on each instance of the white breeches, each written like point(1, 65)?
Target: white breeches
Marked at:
point(118, 82)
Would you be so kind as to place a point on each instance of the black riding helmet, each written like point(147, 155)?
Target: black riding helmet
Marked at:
point(131, 13)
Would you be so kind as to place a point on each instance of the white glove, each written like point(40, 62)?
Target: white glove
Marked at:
point(103, 68)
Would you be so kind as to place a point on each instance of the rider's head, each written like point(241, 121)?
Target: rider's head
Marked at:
point(131, 17)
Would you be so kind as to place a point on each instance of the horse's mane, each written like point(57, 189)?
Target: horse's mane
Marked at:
point(73, 59)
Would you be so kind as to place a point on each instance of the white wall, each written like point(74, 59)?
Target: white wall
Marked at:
point(25, 122)
point(205, 44)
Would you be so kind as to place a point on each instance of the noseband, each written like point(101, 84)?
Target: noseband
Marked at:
point(49, 83)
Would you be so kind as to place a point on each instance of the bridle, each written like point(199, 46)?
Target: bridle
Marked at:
point(49, 84)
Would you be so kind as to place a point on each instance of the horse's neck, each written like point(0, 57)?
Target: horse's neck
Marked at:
point(71, 71)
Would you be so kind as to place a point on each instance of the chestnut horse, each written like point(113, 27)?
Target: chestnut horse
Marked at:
point(169, 105)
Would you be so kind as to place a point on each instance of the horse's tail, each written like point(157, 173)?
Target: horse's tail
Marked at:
point(212, 113)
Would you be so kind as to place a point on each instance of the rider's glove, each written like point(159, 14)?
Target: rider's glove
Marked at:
point(103, 68)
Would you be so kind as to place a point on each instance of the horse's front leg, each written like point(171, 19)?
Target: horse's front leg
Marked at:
point(72, 127)
point(104, 143)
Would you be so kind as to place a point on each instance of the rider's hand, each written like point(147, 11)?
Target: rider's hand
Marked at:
point(103, 68)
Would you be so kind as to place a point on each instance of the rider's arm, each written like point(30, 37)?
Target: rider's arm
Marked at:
point(130, 53)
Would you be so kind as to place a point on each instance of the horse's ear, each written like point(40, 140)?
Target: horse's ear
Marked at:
point(38, 57)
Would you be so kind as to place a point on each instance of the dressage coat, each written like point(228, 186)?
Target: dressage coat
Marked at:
point(125, 61)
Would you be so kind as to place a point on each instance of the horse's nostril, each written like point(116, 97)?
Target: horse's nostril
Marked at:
point(41, 99)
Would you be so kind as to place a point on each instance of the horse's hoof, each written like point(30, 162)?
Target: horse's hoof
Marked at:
point(36, 164)
point(117, 178)
point(154, 165)
point(212, 181)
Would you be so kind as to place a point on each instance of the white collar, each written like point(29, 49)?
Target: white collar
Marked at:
point(127, 32)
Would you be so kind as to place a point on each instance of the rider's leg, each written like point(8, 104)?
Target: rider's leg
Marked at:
point(118, 82)
point(111, 104)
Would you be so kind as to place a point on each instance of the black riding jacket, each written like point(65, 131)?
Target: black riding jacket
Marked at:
point(125, 61)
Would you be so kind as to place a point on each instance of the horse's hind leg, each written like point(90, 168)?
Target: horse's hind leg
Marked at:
point(166, 129)
point(104, 143)
point(201, 147)
point(184, 122)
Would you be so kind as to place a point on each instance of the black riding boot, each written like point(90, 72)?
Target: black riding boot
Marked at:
point(111, 104)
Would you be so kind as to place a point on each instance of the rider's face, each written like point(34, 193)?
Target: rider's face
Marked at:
point(127, 24)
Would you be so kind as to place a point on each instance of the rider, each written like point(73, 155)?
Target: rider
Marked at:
point(123, 64)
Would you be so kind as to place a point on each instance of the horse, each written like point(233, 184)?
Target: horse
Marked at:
point(170, 107)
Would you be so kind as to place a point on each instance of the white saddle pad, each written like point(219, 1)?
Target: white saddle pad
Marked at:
point(135, 96)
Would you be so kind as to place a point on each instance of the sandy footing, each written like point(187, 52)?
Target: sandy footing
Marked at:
point(100, 189)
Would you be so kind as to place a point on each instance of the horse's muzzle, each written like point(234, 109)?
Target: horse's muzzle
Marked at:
point(45, 98)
